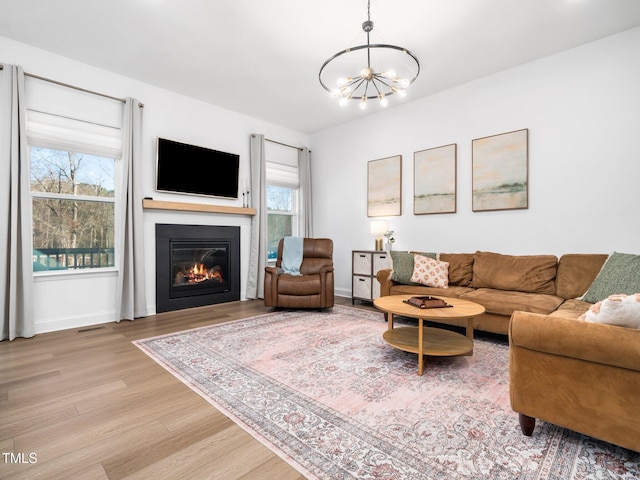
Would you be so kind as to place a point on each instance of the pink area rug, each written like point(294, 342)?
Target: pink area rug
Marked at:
point(327, 394)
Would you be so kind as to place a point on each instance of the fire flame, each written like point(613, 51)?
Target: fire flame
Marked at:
point(198, 273)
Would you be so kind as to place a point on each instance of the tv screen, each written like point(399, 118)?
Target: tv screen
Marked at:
point(183, 168)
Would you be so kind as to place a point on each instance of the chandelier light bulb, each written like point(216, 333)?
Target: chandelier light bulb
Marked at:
point(342, 81)
point(366, 73)
point(389, 73)
point(344, 101)
point(399, 91)
point(383, 100)
point(363, 103)
point(404, 82)
point(335, 92)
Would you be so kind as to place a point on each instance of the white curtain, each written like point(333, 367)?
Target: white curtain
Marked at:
point(16, 272)
point(258, 252)
point(131, 299)
point(305, 213)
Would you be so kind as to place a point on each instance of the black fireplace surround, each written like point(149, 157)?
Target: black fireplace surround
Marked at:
point(196, 265)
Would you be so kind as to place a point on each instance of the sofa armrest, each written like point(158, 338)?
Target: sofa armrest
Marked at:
point(575, 374)
point(592, 342)
point(384, 278)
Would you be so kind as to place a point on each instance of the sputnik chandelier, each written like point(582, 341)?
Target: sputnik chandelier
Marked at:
point(394, 70)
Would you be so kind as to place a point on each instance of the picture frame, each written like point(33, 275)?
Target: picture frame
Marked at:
point(500, 165)
point(384, 187)
point(435, 180)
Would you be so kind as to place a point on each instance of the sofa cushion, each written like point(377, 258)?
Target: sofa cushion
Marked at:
point(402, 265)
point(430, 272)
point(522, 273)
point(451, 291)
point(506, 302)
point(620, 274)
point(622, 310)
point(460, 268)
point(576, 272)
point(571, 308)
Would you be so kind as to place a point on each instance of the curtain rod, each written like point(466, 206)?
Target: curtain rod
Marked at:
point(74, 87)
point(283, 144)
point(50, 80)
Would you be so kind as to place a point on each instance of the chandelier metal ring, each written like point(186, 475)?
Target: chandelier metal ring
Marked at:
point(370, 46)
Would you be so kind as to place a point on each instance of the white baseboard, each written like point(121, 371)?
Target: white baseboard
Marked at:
point(81, 321)
point(342, 292)
point(66, 323)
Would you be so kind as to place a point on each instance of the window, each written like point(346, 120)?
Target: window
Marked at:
point(281, 202)
point(73, 201)
point(282, 195)
point(75, 143)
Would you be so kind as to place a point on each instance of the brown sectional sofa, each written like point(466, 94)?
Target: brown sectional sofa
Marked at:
point(579, 375)
point(504, 284)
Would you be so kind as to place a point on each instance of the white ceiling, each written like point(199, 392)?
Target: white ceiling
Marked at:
point(262, 57)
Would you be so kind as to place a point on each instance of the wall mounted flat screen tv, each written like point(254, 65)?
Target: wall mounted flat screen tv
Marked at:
point(188, 169)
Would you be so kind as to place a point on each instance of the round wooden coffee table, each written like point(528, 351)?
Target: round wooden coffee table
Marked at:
point(425, 340)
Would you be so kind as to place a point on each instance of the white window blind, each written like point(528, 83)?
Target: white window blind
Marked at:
point(61, 133)
point(282, 166)
point(282, 175)
point(67, 119)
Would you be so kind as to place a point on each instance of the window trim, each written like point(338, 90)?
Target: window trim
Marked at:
point(75, 273)
point(68, 196)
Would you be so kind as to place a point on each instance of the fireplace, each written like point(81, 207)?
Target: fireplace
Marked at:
point(196, 265)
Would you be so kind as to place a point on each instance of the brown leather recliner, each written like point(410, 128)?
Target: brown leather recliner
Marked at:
point(312, 289)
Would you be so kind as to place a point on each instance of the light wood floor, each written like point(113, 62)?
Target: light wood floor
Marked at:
point(88, 404)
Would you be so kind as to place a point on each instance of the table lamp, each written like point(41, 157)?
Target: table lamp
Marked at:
point(378, 228)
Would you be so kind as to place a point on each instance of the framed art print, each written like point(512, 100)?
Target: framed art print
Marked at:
point(384, 187)
point(500, 171)
point(434, 180)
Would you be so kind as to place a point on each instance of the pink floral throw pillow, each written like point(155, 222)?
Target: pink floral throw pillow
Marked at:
point(430, 272)
point(620, 309)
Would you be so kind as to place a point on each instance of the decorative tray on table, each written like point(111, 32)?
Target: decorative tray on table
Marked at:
point(427, 301)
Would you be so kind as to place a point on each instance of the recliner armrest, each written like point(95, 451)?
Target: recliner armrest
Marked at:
point(273, 270)
point(326, 280)
point(271, 285)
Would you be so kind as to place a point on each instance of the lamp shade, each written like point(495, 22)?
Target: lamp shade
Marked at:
point(378, 227)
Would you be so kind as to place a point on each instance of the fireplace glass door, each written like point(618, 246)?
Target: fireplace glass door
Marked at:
point(199, 268)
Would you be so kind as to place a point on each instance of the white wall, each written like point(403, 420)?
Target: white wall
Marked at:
point(69, 301)
point(582, 109)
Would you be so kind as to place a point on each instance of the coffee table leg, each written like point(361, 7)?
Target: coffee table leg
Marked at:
point(469, 334)
point(420, 337)
point(390, 321)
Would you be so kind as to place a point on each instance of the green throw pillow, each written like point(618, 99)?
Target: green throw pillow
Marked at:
point(403, 266)
point(619, 274)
